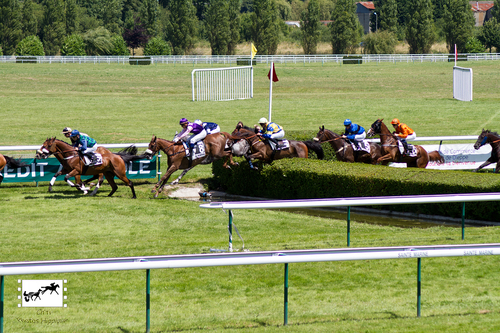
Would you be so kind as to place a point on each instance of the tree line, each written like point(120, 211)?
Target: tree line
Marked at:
point(114, 27)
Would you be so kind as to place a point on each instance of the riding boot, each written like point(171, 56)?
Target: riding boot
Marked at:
point(191, 146)
point(276, 145)
point(94, 159)
point(405, 145)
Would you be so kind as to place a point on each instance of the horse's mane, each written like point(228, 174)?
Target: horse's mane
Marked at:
point(490, 132)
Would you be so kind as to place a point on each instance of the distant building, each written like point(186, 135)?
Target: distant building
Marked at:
point(293, 24)
point(482, 11)
point(364, 10)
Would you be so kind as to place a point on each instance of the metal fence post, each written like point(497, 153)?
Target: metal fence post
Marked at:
point(286, 296)
point(148, 300)
point(419, 284)
point(348, 226)
point(2, 278)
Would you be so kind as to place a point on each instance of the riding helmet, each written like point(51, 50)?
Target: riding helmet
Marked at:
point(198, 121)
point(74, 133)
point(347, 122)
point(183, 120)
point(262, 120)
point(66, 130)
point(395, 121)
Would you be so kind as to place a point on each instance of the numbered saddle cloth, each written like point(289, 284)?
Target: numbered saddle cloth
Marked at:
point(412, 150)
point(283, 144)
point(363, 146)
point(198, 149)
point(88, 161)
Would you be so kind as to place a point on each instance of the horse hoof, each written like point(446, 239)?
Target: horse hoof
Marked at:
point(50, 189)
point(153, 191)
point(156, 195)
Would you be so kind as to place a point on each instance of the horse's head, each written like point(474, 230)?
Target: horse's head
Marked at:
point(46, 150)
point(320, 137)
point(152, 148)
point(482, 139)
point(376, 128)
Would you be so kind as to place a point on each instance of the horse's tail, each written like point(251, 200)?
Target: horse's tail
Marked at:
point(14, 163)
point(129, 154)
point(315, 147)
point(435, 156)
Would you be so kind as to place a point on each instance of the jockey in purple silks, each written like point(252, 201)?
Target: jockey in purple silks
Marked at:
point(197, 132)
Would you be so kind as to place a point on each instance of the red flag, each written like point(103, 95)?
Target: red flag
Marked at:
point(275, 78)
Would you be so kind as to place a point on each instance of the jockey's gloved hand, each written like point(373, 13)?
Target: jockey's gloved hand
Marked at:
point(267, 136)
point(176, 140)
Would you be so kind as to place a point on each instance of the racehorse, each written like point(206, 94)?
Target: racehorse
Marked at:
point(344, 151)
point(493, 139)
point(10, 162)
point(112, 165)
point(52, 287)
point(390, 149)
point(215, 147)
point(247, 141)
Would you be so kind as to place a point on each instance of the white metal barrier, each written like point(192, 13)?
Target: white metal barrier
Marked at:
point(462, 83)
point(222, 84)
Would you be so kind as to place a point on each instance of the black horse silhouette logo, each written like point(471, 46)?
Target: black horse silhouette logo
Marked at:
point(53, 286)
point(29, 296)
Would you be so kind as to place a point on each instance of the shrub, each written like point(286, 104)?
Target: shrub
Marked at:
point(1, 51)
point(473, 45)
point(73, 45)
point(119, 46)
point(30, 46)
point(157, 46)
point(98, 42)
point(380, 42)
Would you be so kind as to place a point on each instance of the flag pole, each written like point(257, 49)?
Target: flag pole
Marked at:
point(455, 55)
point(271, 77)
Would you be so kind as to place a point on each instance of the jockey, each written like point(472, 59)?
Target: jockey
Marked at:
point(270, 131)
point(67, 132)
point(211, 128)
point(85, 144)
point(403, 133)
point(353, 132)
point(197, 132)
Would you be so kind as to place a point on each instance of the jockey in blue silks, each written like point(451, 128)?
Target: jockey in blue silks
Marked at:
point(85, 144)
point(353, 132)
point(197, 132)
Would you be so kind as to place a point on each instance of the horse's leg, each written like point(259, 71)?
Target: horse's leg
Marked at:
point(384, 158)
point(159, 187)
point(485, 164)
point(110, 177)
point(98, 185)
point(175, 182)
point(497, 168)
point(79, 185)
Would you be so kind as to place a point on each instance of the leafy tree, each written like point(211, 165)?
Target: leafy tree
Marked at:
point(284, 9)
point(72, 17)
point(149, 15)
point(325, 9)
point(182, 26)
point(495, 11)
point(29, 21)
point(458, 24)
point(345, 27)
point(30, 45)
point(53, 27)
point(438, 8)
point(73, 45)
point(131, 8)
point(310, 27)
point(10, 25)
point(265, 28)
point(473, 45)
point(137, 36)
point(402, 6)
point(245, 27)
point(386, 17)
point(157, 46)
point(234, 26)
point(119, 46)
point(490, 34)
point(111, 15)
point(298, 7)
point(1, 51)
point(98, 41)
point(380, 42)
point(217, 26)
point(420, 33)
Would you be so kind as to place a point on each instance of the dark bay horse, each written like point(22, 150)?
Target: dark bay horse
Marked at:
point(343, 148)
point(10, 162)
point(112, 165)
point(493, 139)
point(215, 147)
point(390, 149)
point(247, 143)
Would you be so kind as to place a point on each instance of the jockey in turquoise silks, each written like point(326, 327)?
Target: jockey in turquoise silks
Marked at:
point(85, 144)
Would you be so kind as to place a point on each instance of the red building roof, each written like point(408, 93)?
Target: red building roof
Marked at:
point(481, 6)
point(367, 4)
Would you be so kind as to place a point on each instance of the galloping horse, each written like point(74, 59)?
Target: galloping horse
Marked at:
point(493, 139)
point(112, 165)
point(248, 140)
point(343, 149)
point(390, 149)
point(10, 162)
point(215, 147)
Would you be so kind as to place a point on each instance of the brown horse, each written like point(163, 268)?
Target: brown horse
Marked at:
point(10, 162)
point(390, 149)
point(493, 139)
point(344, 151)
point(246, 140)
point(215, 148)
point(112, 165)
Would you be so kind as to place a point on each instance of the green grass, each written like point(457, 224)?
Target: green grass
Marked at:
point(121, 103)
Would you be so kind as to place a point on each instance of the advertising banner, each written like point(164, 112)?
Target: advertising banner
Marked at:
point(43, 170)
point(457, 156)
